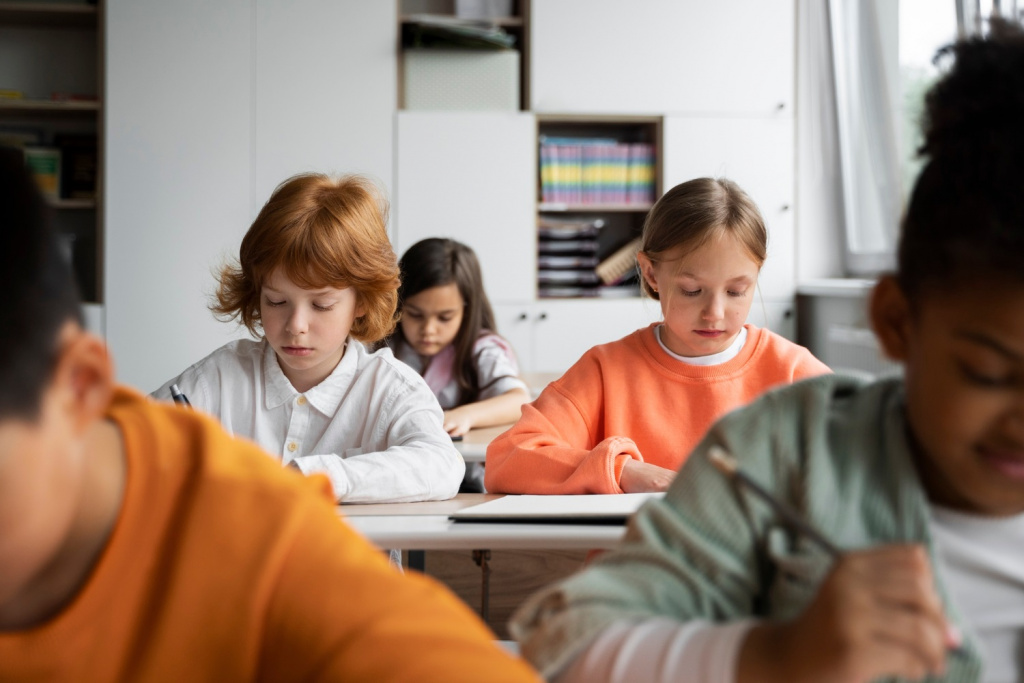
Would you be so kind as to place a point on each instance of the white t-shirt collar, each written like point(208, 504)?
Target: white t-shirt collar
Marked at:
point(714, 359)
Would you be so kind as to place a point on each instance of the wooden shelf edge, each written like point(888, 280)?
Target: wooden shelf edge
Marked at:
point(49, 106)
point(48, 14)
point(72, 203)
point(504, 22)
point(555, 207)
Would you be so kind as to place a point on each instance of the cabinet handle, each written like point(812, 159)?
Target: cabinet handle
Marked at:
point(787, 314)
point(785, 207)
point(780, 106)
point(521, 316)
point(542, 316)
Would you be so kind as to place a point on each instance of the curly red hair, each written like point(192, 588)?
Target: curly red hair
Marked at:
point(323, 232)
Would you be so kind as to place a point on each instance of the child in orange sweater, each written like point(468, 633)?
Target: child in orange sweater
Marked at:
point(139, 541)
point(624, 417)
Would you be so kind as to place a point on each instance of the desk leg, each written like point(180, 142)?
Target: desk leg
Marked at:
point(482, 557)
point(417, 560)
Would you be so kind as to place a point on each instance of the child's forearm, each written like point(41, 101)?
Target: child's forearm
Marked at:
point(497, 410)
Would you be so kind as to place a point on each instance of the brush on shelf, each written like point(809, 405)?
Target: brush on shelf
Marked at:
point(614, 268)
point(727, 465)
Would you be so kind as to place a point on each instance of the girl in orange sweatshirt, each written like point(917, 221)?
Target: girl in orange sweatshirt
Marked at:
point(624, 417)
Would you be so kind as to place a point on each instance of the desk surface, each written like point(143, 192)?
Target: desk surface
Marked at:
point(425, 526)
point(474, 444)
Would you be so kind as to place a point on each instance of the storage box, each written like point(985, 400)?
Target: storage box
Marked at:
point(461, 79)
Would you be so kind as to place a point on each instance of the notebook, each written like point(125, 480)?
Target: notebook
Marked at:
point(583, 509)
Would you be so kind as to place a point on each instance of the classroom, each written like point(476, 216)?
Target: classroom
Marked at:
point(551, 145)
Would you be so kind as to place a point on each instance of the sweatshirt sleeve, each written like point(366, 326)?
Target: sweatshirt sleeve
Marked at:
point(807, 365)
point(556, 446)
point(336, 611)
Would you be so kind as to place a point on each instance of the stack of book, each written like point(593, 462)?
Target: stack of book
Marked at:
point(596, 171)
point(567, 256)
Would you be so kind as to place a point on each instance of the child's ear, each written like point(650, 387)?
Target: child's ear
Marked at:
point(891, 317)
point(84, 376)
point(647, 270)
point(360, 308)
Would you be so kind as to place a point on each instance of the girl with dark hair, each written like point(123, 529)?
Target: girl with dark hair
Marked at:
point(447, 333)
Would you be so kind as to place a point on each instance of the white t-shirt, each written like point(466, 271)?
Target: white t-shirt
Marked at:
point(372, 426)
point(982, 559)
point(723, 356)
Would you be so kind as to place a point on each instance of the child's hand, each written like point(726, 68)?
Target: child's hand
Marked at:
point(876, 614)
point(641, 477)
point(458, 421)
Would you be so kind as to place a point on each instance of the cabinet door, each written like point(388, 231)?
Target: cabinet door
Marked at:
point(324, 90)
point(564, 329)
point(471, 176)
point(515, 323)
point(177, 186)
point(777, 316)
point(610, 56)
point(756, 153)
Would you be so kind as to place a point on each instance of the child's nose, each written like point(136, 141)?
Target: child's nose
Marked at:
point(714, 309)
point(296, 322)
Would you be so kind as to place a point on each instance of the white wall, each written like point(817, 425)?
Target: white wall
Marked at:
point(208, 107)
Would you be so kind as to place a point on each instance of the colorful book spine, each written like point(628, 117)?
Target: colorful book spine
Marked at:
point(596, 171)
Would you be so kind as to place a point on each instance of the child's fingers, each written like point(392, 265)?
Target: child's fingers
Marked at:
point(919, 635)
point(892, 659)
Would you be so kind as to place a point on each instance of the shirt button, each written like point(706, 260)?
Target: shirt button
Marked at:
point(301, 400)
point(292, 446)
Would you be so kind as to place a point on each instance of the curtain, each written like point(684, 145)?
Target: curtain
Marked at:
point(865, 88)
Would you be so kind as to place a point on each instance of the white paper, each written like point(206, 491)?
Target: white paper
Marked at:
point(577, 507)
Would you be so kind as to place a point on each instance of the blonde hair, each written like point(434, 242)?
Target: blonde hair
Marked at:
point(323, 232)
point(692, 213)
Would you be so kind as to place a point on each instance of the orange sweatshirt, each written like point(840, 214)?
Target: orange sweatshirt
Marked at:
point(630, 399)
point(223, 566)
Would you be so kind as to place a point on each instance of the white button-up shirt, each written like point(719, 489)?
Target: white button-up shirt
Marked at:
point(372, 426)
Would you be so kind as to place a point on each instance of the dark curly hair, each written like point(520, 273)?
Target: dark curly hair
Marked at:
point(965, 219)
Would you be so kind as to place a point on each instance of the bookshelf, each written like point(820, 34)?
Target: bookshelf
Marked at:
point(598, 176)
point(516, 24)
point(51, 75)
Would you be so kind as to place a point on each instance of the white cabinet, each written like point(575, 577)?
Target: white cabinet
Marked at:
point(324, 90)
point(178, 123)
point(208, 107)
point(662, 56)
point(756, 153)
point(470, 176)
point(551, 335)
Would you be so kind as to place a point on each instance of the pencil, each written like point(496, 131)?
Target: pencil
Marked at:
point(727, 465)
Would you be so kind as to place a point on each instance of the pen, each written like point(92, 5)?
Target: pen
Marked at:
point(179, 397)
point(727, 465)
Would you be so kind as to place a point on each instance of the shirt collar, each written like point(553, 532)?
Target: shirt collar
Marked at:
point(326, 396)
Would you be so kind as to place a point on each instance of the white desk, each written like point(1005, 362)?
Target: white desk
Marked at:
point(474, 443)
point(425, 526)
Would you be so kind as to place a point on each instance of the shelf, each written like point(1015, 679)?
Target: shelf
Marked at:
point(48, 108)
point(504, 22)
point(72, 204)
point(58, 14)
point(593, 208)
